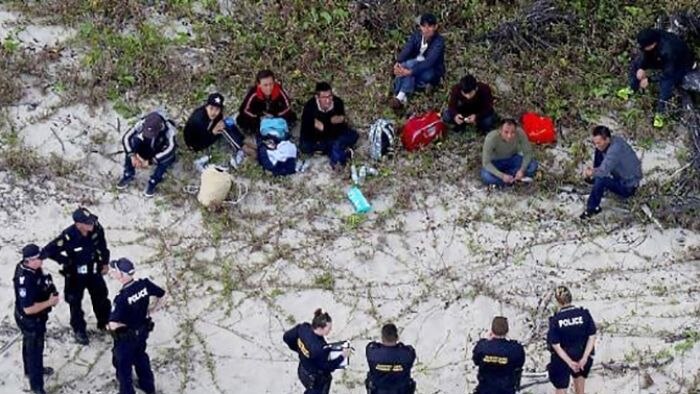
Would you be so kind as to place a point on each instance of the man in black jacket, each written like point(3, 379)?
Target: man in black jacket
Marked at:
point(206, 125)
point(500, 361)
point(150, 141)
point(660, 50)
point(390, 364)
point(324, 126)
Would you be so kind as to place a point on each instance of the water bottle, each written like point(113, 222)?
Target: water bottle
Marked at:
point(362, 174)
point(230, 122)
point(353, 174)
point(358, 200)
point(372, 171)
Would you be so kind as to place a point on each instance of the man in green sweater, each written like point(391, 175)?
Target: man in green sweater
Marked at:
point(507, 156)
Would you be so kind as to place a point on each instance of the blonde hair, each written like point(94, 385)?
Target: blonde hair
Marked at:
point(563, 295)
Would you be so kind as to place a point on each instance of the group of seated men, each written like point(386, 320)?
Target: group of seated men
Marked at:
point(507, 156)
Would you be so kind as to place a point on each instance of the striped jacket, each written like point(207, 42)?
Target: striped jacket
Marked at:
point(155, 150)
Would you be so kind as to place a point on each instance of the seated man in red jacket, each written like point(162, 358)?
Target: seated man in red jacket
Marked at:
point(324, 127)
point(471, 103)
point(267, 98)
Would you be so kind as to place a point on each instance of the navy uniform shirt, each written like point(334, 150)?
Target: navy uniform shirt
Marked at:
point(313, 349)
point(500, 361)
point(78, 254)
point(31, 286)
point(389, 366)
point(130, 306)
point(570, 328)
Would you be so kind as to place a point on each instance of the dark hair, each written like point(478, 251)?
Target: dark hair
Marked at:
point(563, 295)
point(428, 19)
point(648, 37)
point(509, 121)
point(323, 87)
point(390, 333)
point(499, 326)
point(467, 83)
point(602, 131)
point(262, 74)
point(321, 319)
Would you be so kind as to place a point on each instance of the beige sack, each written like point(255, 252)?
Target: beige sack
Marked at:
point(215, 185)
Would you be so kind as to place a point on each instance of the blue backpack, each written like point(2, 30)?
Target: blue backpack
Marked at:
point(274, 128)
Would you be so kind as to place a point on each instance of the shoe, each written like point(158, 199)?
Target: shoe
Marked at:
point(48, 371)
point(659, 121)
point(201, 163)
point(301, 166)
point(587, 214)
point(396, 104)
point(150, 190)
point(124, 182)
point(81, 338)
point(237, 159)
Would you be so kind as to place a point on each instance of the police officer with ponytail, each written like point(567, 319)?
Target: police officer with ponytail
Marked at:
point(308, 340)
point(571, 340)
point(130, 325)
point(390, 364)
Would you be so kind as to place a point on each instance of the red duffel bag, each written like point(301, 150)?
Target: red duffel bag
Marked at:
point(421, 130)
point(538, 128)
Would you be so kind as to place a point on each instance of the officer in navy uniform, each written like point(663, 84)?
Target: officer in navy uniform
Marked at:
point(130, 325)
point(309, 341)
point(500, 361)
point(390, 364)
point(571, 340)
point(82, 251)
point(35, 295)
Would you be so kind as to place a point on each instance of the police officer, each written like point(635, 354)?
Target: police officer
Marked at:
point(35, 295)
point(571, 340)
point(390, 364)
point(130, 325)
point(500, 361)
point(82, 251)
point(309, 341)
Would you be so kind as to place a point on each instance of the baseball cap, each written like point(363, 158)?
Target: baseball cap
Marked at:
point(123, 265)
point(31, 251)
point(152, 125)
point(428, 19)
point(82, 215)
point(216, 100)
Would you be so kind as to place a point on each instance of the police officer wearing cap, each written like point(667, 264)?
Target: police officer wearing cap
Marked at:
point(571, 340)
point(500, 361)
point(308, 340)
point(82, 252)
point(35, 295)
point(130, 325)
point(390, 364)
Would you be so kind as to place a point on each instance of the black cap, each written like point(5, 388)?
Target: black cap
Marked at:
point(31, 251)
point(216, 100)
point(123, 265)
point(648, 37)
point(82, 215)
point(428, 19)
point(152, 125)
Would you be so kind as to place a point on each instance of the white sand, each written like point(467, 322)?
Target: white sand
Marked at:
point(440, 270)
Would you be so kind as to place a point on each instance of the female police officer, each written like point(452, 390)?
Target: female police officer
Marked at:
point(571, 339)
point(309, 341)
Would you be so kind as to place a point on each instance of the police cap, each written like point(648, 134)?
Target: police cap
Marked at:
point(31, 251)
point(82, 215)
point(123, 265)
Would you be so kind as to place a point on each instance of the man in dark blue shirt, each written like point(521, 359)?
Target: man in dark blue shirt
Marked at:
point(130, 324)
point(500, 361)
point(309, 342)
point(390, 364)
point(421, 62)
point(82, 251)
point(571, 339)
point(35, 295)
point(663, 51)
